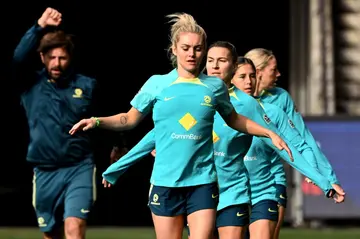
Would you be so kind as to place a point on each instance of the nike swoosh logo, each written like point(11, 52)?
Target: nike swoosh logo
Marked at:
point(214, 196)
point(84, 210)
point(282, 197)
point(270, 210)
point(240, 214)
point(168, 98)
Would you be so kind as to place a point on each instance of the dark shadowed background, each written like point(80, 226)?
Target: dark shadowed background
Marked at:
point(121, 44)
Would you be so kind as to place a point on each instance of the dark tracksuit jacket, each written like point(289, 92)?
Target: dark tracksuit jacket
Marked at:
point(52, 108)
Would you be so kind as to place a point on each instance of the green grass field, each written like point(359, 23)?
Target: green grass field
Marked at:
point(148, 233)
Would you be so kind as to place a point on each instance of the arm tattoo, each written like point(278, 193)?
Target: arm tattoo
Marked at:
point(123, 120)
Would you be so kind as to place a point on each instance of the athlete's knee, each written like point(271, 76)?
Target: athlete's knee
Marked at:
point(202, 223)
point(230, 232)
point(75, 228)
point(168, 227)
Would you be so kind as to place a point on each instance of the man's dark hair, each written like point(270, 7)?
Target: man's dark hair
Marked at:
point(56, 39)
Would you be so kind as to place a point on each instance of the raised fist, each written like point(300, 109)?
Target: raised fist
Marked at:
point(50, 17)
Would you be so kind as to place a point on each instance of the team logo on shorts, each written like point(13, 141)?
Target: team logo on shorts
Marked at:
point(155, 200)
point(291, 124)
point(267, 119)
point(41, 222)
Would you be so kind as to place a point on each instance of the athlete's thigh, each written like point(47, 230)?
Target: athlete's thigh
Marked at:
point(80, 191)
point(262, 229)
point(168, 227)
point(168, 209)
point(48, 198)
point(202, 223)
point(202, 201)
point(263, 219)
